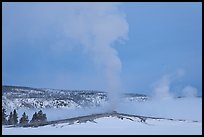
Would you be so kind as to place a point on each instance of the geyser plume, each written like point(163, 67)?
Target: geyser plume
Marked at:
point(161, 88)
point(99, 25)
point(95, 26)
point(189, 91)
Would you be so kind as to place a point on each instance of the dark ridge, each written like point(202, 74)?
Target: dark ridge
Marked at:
point(134, 95)
point(7, 88)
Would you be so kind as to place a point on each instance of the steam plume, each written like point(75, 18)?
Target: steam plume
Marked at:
point(189, 91)
point(162, 88)
point(97, 26)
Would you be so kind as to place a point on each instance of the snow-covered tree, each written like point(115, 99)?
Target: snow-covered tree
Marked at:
point(15, 117)
point(39, 117)
point(24, 119)
point(10, 119)
point(44, 118)
point(4, 120)
point(34, 118)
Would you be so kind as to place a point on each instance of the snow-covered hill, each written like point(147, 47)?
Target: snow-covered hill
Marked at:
point(14, 97)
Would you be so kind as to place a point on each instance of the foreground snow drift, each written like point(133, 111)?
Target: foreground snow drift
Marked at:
point(113, 125)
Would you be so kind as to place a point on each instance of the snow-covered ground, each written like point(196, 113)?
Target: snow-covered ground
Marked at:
point(189, 109)
point(112, 125)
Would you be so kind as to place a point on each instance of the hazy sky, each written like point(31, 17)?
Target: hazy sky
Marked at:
point(144, 42)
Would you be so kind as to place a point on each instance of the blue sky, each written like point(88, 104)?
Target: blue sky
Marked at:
point(162, 39)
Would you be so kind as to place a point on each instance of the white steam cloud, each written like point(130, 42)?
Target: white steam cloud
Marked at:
point(95, 26)
point(98, 26)
point(189, 91)
point(161, 89)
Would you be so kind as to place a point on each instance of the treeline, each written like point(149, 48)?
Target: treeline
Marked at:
point(13, 118)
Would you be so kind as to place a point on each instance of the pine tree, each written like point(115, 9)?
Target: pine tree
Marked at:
point(24, 119)
point(10, 119)
point(15, 117)
point(34, 118)
point(40, 116)
point(44, 118)
point(4, 120)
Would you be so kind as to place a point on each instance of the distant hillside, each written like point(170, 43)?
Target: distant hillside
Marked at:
point(27, 97)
